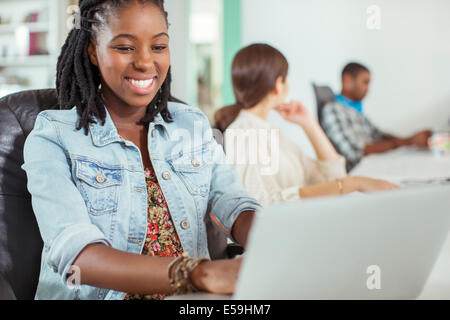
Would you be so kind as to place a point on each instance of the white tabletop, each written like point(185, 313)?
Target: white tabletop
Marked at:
point(403, 166)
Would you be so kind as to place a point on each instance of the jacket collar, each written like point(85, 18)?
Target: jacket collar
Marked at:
point(104, 135)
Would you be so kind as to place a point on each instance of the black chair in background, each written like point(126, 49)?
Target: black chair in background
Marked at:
point(324, 95)
point(22, 243)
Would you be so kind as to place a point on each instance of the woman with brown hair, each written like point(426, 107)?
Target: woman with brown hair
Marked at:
point(272, 167)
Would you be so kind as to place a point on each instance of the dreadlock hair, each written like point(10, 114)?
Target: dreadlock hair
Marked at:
point(78, 80)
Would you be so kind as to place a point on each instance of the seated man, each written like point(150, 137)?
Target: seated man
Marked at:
point(351, 132)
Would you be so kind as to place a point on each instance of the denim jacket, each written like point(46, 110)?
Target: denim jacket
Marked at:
point(92, 189)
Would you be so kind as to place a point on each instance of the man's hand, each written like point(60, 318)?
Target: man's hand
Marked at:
point(420, 139)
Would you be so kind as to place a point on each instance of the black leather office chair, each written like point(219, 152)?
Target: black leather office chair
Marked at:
point(23, 243)
point(6, 292)
point(324, 95)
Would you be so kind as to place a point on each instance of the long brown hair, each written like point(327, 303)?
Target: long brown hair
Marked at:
point(255, 71)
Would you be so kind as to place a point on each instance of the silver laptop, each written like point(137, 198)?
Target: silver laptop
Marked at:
point(379, 246)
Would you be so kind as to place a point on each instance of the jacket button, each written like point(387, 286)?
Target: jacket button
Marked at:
point(195, 163)
point(166, 176)
point(100, 178)
point(154, 133)
point(185, 225)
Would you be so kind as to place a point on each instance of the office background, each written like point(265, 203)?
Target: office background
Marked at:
point(403, 42)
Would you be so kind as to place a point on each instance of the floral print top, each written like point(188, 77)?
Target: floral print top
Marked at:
point(162, 239)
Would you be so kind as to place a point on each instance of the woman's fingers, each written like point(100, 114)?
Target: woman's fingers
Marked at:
point(218, 276)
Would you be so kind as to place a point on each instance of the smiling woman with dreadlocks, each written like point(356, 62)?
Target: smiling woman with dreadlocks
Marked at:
point(123, 187)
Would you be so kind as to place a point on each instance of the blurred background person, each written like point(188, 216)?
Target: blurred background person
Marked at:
point(259, 76)
point(350, 131)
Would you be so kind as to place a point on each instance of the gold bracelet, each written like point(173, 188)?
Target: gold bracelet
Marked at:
point(340, 186)
point(179, 271)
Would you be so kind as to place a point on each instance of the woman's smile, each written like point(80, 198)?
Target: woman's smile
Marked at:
point(141, 85)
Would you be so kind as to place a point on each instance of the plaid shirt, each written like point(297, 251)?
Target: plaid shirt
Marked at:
point(349, 131)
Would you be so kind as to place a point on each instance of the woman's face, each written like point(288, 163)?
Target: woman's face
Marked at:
point(132, 53)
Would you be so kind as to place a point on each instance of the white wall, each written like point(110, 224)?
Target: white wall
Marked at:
point(409, 56)
point(178, 11)
point(184, 36)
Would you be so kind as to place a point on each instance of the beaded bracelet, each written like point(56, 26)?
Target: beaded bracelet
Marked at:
point(179, 271)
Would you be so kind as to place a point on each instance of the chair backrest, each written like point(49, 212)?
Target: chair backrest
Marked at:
point(6, 292)
point(23, 243)
point(324, 95)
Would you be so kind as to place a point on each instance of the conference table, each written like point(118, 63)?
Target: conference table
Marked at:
point(409, 167)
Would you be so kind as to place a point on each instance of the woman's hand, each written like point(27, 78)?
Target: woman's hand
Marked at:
point(368, 185)
point(218, 276)
point(296, 112)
